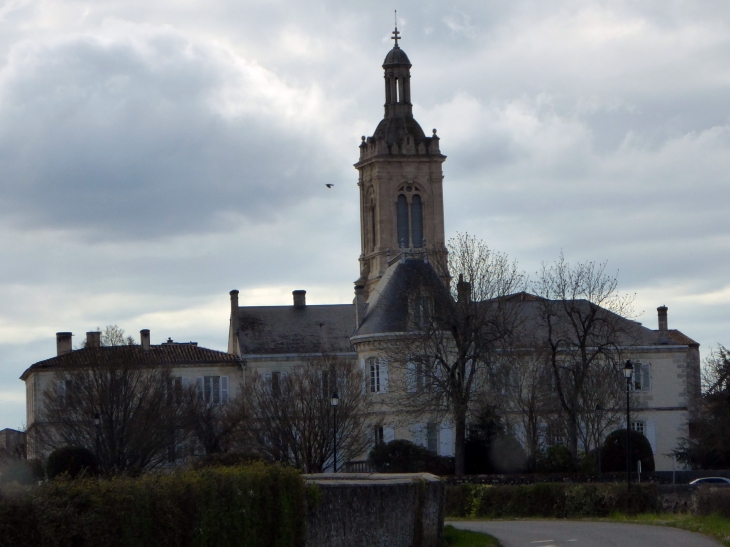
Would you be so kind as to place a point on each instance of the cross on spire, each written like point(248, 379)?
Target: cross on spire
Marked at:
point(395, 36)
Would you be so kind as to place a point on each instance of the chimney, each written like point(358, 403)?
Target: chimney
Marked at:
point(300, 298)
point(63, 343)
point(234, 301)
point(463, 290)
point(144, 338)
point(663, 330)
point(359, 304)
point(93, 339)
point(233, 345)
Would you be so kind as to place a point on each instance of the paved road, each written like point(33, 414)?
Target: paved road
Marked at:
point(565, 533)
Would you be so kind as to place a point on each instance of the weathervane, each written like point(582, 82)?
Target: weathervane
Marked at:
point(395, 32)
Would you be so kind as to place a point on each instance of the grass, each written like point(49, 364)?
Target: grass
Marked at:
point(714, 526)
point(453, 537)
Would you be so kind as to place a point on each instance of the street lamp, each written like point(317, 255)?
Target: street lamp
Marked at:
point(628, 372)
point(97, 426)
point(334, 401)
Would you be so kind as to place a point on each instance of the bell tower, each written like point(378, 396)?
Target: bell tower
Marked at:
point(400, 180)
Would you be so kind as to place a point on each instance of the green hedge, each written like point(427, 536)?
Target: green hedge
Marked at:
point(252, 506)
point(551, 500)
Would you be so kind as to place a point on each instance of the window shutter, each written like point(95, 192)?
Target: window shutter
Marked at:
point(446, 440)
point(388, 434)
point(411, 377)
point(651, 434)
point(224, 389)
point(383, 376)
point(645, 377)
point(283, 385)
point(186, 383)
point(419, 434)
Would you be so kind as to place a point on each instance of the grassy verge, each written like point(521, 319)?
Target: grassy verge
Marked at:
point(713, 525)
point(453, 537)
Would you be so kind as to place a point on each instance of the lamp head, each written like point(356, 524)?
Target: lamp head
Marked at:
point(628, 370)
point(335, 400)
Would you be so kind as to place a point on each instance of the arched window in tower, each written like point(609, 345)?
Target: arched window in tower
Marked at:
point(397, 90)
point(402, 216)
point(417, 221)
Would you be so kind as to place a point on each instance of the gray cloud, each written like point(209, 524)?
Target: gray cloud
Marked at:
point(154, 156)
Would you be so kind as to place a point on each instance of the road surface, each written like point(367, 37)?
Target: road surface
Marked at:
point(566, 533)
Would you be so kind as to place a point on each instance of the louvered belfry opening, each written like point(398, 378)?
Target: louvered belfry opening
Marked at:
point(417, 221)
point(402, 212)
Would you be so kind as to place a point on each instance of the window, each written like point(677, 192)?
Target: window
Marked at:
point(213, 389)
point(402, 221)
point(421, 308)
point(419, 377)
point(642, 377)
point(276, 384)
point(417, 221)
point(374, 375)
point(432, 437)
point(378, 435)
point(639, 427)
point(64, 389)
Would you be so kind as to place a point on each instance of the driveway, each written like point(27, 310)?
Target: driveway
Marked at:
point(565, 533)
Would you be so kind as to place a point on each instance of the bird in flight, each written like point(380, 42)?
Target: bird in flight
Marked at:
point(329, 185)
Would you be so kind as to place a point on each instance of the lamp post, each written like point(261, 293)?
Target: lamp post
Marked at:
point(334, 401)
point(97, 426)
point(628, 372)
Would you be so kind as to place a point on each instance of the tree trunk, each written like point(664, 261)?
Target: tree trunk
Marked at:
point(459, 442)
point(573, 435)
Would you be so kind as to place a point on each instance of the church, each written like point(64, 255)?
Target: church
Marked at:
point(402, 241)
point(403, 245)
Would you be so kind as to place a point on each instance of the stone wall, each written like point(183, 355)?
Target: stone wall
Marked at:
point(376, 510)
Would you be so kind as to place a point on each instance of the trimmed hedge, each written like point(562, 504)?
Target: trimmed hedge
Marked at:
point(253, 506)
point(549, 500)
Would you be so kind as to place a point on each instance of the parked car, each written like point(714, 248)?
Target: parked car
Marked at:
point(710, 480)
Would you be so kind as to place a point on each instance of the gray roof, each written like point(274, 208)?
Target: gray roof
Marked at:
point(395, 128)
point(172, 354)
point(291, 329)
point(387, 308)
point(396, 56)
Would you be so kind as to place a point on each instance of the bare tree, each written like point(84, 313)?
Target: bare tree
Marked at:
point(213, 423)
point(289, 417)
point(138, 413)
point(456, 335)
point(529, 399)
point(602, 403)
point(584, 326)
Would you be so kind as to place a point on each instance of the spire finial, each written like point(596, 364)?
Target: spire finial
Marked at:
point(395, 32)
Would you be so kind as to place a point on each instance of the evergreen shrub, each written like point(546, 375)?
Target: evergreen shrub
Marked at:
point(613, 453)
point(548, 500)
point(252, 506)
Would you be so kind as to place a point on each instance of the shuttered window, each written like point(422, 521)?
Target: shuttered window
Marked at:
point(417, 221)
point(402, 214)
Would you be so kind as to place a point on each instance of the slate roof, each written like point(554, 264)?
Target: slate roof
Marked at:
point(394, 129)
point(396, 56)
point(387, 308)
point(291, 329)
point(163, 354)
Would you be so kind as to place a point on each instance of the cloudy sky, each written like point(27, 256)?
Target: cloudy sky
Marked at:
point(156, 154)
